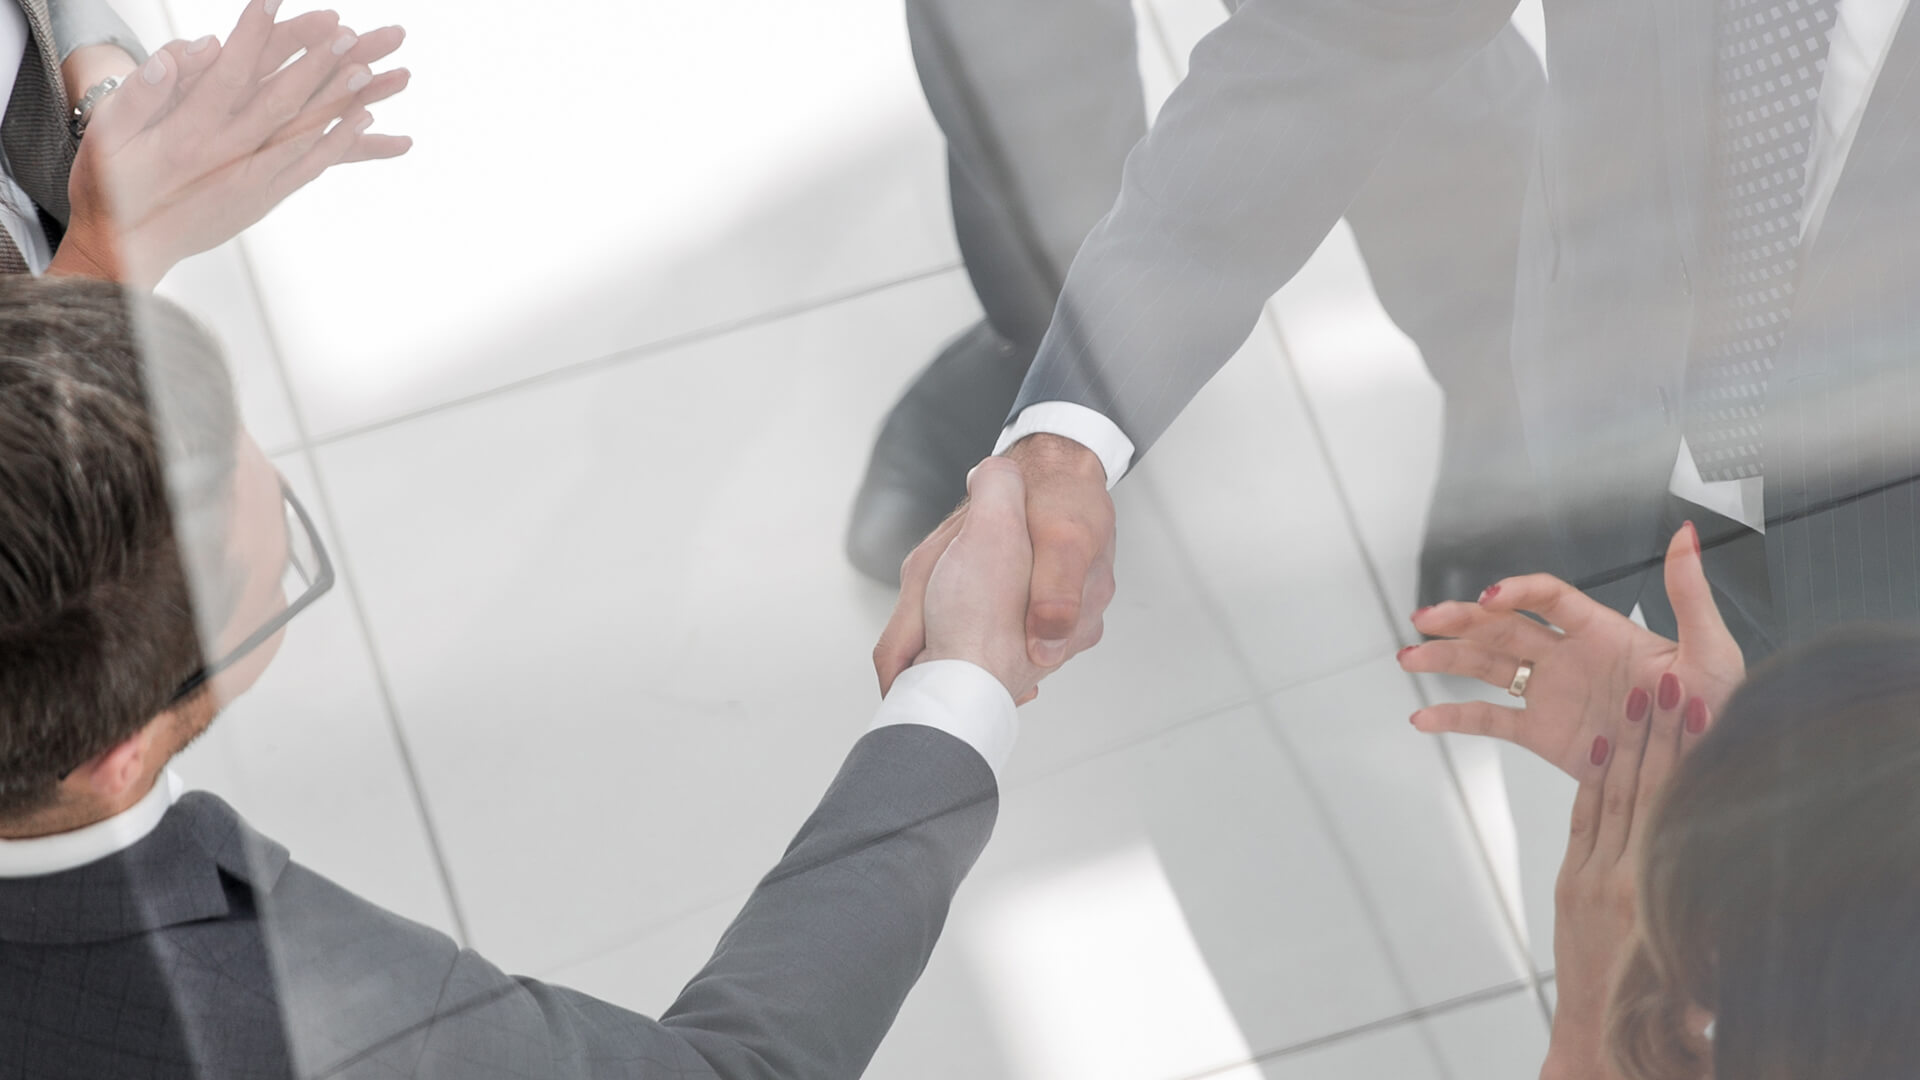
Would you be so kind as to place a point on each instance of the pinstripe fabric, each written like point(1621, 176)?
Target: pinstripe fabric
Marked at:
point(1844, 409)
point(1289, 103)
point(203, 951)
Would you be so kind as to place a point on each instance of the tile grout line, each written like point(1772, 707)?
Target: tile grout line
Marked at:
point(1309, 788)
point(350, 582)
point(647, 350)
point(1204, 715)
point(1270, 722)
point(1427, 1012)
point(1516, 938)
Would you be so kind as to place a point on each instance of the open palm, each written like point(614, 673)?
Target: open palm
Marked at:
point(1594, 670)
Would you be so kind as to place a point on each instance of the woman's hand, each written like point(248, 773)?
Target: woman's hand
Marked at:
point(204, 139)
point(1594, 670)
point(1596, 895)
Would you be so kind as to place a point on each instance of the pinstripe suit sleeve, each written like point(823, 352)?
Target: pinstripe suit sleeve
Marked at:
point(1287, 108)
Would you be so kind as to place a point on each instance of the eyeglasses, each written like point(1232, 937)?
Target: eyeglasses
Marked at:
point(307, 577)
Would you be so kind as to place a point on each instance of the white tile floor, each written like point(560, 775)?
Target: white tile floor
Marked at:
point(583, 389)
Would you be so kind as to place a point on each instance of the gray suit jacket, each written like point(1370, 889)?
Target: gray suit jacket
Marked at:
point(204, 952)
point(1291, 105)
point(39, 148)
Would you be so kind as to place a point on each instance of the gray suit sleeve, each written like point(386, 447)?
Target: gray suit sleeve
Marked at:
point(79, 23)
point(1286, 110)
point(803, 985)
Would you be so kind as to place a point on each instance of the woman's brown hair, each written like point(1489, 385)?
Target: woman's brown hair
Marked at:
point(1780, 888)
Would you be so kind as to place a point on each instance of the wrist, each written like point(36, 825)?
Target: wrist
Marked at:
point(1059, 455)
point(81, 254)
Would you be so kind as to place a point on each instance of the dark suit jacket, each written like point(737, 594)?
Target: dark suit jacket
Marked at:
point(1286, 111)
point(39, 147)
point(203, 951)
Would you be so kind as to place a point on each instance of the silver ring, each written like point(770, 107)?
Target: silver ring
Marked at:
point(1518, 687)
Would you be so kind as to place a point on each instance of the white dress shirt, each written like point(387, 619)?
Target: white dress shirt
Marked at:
point(1862, 34)
point(17, 214)
point(953, 696)
point(70, 850)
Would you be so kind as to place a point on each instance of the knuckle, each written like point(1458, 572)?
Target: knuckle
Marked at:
point(1616, 802)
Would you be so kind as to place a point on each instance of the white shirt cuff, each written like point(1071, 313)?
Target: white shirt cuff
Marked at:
point(959, 698)
point(1076, 422)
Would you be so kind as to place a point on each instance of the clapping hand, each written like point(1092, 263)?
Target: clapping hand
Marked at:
point(204, 139)
point(1596, 896)
point(1595, 672)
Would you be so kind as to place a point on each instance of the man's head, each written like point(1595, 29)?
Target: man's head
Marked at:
point(137, 520)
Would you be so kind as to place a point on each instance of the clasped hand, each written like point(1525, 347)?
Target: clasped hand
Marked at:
point(1063, 562)
point(206, 138)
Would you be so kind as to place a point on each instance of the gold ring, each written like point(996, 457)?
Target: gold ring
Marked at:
point(1518, 687)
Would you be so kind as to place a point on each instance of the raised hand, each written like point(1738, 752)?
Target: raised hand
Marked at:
point(1594, 670)
point(1069, 519)
point(1596, 895)
point(205, 139)
point(976, 593)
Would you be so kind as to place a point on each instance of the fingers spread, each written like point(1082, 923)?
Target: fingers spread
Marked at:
point(377, 45)
point(233, 74)
point(1503, 631)
point(1703, 631)
point(305, 31)
point(378, 147)
point(1548, 597)
point(1474, 718)
point(1468, 659)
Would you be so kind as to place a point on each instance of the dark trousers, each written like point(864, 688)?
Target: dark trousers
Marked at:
point(1736, 564)
point(1040, 101)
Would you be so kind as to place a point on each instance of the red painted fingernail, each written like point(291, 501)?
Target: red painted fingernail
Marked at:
point(1402, 654)
point(1415, 718)
point(1599, 755)
point(1639, 703)
point(1424, 610)
point(1696, 716)
point(1693, 533)
point(1492, 591)
point(1669, 691)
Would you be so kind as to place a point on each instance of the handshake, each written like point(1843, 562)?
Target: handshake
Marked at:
point(1017, 580)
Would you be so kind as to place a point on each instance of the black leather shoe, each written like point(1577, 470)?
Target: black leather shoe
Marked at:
point(1485, 522)
point(948, 420)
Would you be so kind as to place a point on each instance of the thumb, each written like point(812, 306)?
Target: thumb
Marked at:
point(1694, 610)
point(993, 539)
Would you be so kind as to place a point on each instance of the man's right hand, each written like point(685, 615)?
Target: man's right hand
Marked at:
point(1069, 520)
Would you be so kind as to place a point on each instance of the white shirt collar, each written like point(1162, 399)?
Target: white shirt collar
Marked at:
point(60, 852)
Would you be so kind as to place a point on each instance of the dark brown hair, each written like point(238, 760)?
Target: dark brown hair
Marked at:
point(109, 405)
point(1781, 884)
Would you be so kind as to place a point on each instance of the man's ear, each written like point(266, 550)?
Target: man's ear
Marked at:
point(109, 777)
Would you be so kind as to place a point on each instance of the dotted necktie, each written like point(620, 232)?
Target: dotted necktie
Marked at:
point(1771, 58)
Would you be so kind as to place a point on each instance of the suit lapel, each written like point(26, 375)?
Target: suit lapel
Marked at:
point(1878, 168)
point(34, 131)
point(1686, 41)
